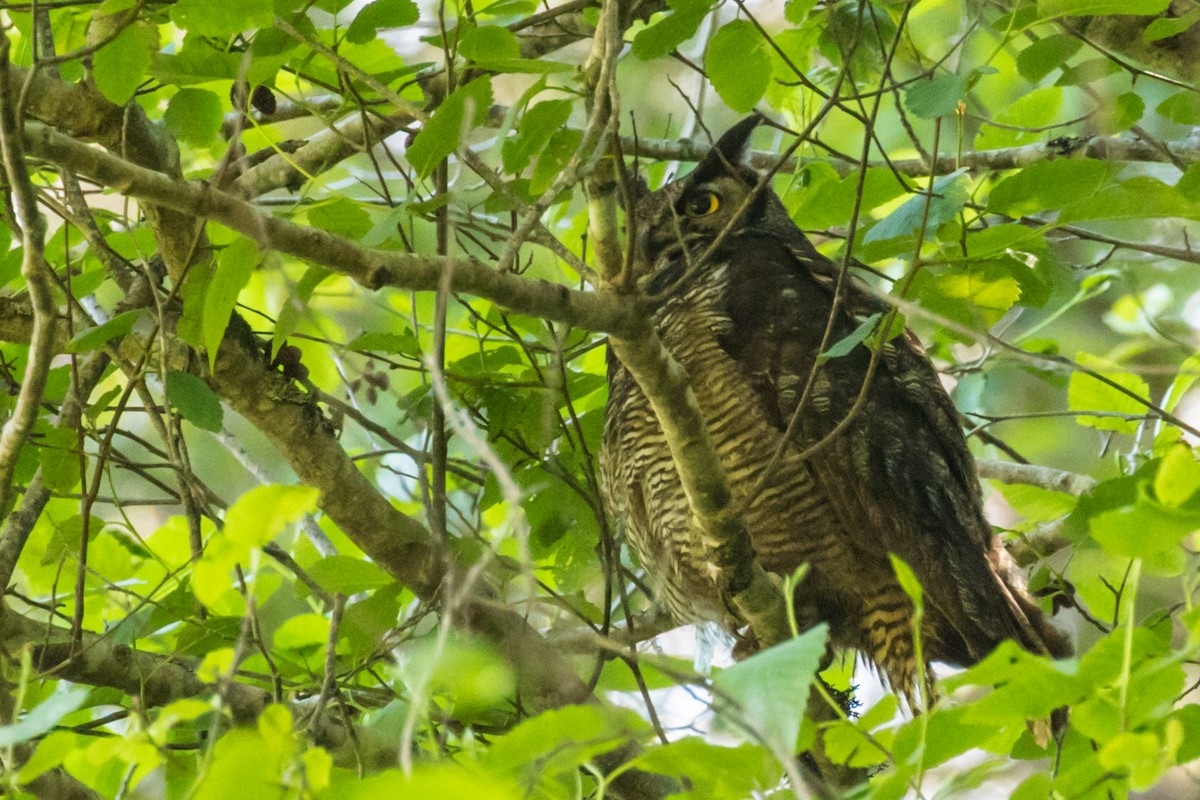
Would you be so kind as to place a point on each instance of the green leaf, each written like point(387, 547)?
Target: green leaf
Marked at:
point(1146, 530)
point(466, 107)
point(1166, 27)
point(949, 197)
point(196, 62)
point(348, 575)
point(844, 346)
point(557, 153)
point(195, 286)
point(562, 740)
point(713, 771)
point(303, 631)
point(120, 66)
point(738, 64)
point(1189, 373)
point(296, 304)
point(1047, 185)
point(429, 780)
point(908, 581)
point(235, 265)
point(977, 295)
point(45, 716)
point(1178, 476)
point(1026, 686)
point(1050, 9)
point(1139, 197)
point(381, 14)
point(1182, 107)
point(1121, 114)
point(341, 216)
point(262, 513)
point(194, 401)
point(1189, 182)
point(243, 765)
point(797, 11)
point(769, 690)
point(660, 38)
point(58, 458)
point(379, 342)
point(1086, 393)
point(538, 124)
point(94, 338)
point(1046, 55)
point(829, 202)
point(936, 97)
point(194, 116)
point(1138, 754)
point(1032, 110)
point(222, 18)
point(488, 42)
point(468, 673)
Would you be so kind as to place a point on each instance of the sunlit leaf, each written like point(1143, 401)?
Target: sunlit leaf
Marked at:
point(120, 66)
point(769, 691)
point(713, 771)
point(381, 14)
point(194, 401)
point(1045, 55)
point(303, 631)
point(948, 198)
point(738, 65)
point(937, 97)
point(1049, 9)
point(1178, 476)
point(666, 34)
point(262, 513)
point(45, 716)
point(1166, 27)
point(235, 265)
point(537, 125)
point(194, 116)
point(1087, 393)
point(465, 108)
point(1047, 185)
point(348, 575)
point(1144, 530)
point(222, 17)
point(1181, 107)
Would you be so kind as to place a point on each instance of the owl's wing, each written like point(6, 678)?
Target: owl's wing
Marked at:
point(899, 475)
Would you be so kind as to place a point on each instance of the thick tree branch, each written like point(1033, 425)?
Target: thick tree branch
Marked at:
point(39, 282)
point(1107, 148)
point(373, 269)
point(1056, 480)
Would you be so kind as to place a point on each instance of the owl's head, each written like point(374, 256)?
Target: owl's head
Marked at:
point(677, 224)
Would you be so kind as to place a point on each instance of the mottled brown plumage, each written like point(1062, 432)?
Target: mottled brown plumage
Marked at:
point(746, 323)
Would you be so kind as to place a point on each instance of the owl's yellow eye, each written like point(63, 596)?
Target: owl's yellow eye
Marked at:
point(702, 204)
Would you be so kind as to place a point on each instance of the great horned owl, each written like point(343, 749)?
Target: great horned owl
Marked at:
point(746, 321)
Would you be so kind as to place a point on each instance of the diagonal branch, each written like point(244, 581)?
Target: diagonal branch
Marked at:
point(374, 269)
point(38, 280)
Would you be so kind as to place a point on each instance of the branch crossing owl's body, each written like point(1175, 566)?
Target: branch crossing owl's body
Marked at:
point(746, 322)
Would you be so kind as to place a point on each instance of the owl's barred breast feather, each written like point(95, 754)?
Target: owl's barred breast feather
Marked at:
point(747, 323)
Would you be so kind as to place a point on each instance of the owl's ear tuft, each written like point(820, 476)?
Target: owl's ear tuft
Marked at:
point(729, 151)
